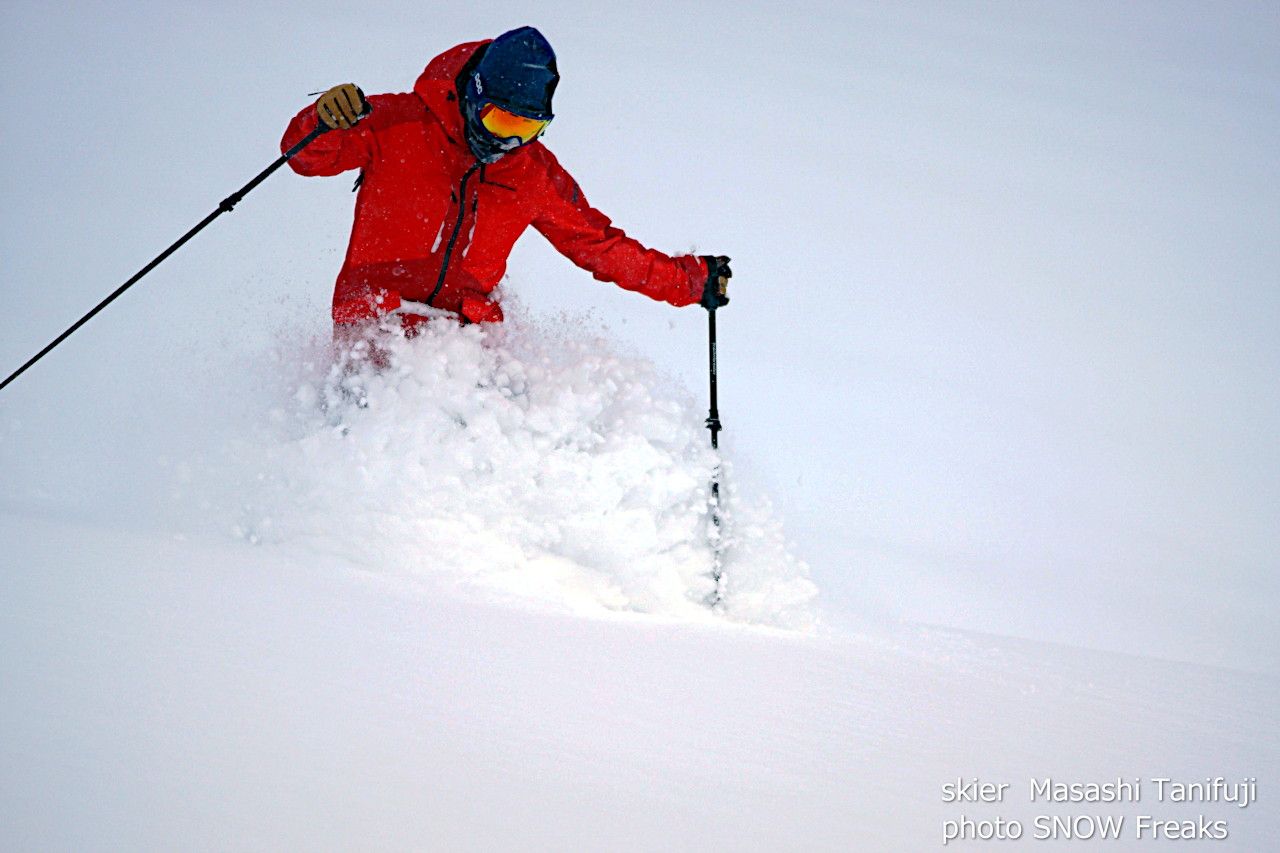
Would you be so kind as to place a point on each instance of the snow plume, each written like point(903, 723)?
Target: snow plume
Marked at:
point(533, 463)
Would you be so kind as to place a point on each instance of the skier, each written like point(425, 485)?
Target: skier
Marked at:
point(451, 175)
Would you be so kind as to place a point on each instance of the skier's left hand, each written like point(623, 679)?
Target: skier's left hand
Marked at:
point(716, 292)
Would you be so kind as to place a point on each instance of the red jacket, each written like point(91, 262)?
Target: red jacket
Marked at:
point(429, 215)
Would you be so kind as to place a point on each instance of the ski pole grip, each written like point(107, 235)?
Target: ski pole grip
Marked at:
point(718, 274)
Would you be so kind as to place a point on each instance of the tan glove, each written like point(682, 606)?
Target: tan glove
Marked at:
point(342, 106)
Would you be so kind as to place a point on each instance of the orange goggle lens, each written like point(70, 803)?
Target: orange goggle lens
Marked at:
point(504, 124)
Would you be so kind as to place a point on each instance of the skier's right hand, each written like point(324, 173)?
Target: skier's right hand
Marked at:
point(715, 293)
point(342, 106)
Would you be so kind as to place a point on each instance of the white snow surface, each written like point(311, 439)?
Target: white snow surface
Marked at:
point(186, 693)
point(999, 381)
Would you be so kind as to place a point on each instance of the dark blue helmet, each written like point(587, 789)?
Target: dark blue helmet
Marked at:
point(518, 72)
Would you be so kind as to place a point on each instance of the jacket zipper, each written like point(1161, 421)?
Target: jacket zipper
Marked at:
point(457, 227)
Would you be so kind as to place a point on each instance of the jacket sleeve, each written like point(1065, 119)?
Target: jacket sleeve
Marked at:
point(332, 152)
point(341, 150)
point(585, 236)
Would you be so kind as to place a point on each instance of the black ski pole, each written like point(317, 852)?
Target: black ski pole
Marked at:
point(714, 425)
point(227, 204)
point(713, 418)
point(712, 299)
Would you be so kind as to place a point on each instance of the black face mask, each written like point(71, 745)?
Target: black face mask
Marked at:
point(486, 147)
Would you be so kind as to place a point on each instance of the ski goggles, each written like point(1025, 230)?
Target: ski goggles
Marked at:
point(505, 124)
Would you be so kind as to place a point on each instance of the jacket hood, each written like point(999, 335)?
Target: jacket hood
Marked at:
point(437, 86)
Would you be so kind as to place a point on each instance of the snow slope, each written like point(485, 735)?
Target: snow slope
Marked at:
point(166, 694)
